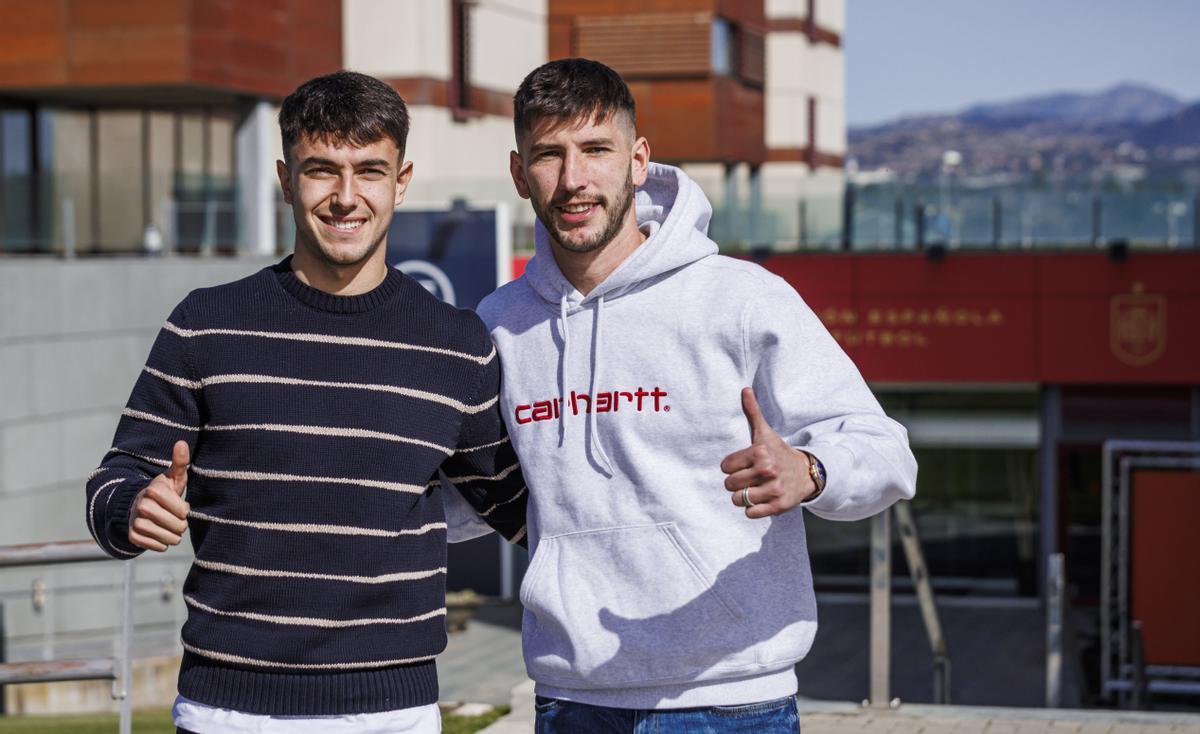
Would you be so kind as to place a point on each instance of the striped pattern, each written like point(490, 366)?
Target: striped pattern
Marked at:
point(261, 663)
point(155, 460)
point(259, 476)
point(317, 529)
point(279, 380)
point(315, 425)
point(336, 431)
point(386, 578)
point(492, 445)
point(111, 486)
point(518, 496)
point(493, 478)
point(329, 339)
point(315, 621)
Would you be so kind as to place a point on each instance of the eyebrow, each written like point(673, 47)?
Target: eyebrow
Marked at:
point(313, 160)
point(583, 144)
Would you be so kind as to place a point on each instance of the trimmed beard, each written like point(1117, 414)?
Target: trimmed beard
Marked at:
point(616, 216)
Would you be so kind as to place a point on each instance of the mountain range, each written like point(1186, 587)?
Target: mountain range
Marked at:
point(1126, 134)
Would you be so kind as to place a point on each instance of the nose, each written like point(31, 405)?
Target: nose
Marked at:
point(345, 195)
point(573, 176)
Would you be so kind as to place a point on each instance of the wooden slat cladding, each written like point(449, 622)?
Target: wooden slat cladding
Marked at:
point(423, 90)
point(739, 111)
point(752, 56)
point(664, 49)
point(639, 46)
point(266, 47)
point(693, 120)
point(804, 154)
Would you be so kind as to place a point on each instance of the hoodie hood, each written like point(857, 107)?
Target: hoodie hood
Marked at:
point(674, 214)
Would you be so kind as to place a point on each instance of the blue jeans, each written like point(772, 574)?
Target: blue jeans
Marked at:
point(555, 716)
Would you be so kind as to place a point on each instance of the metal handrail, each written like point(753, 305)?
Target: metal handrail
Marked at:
point(40, 554)
point(881, 583)
point(119, 669)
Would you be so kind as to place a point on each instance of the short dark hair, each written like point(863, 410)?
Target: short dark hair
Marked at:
point(571, 89)
point(342, 107)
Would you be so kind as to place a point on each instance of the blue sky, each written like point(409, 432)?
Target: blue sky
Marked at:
point(911, 56)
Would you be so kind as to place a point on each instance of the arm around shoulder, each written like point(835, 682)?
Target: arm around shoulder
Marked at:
point(484, 468)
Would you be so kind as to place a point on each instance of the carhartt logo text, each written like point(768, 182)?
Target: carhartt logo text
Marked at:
point(640, 400)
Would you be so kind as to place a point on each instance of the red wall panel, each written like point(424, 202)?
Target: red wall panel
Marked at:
point(993, 317)
point(1165, 546)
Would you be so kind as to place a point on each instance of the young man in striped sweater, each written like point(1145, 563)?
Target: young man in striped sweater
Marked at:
point(306, 410)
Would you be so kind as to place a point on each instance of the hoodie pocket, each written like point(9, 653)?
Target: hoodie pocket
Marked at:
point(626, 606)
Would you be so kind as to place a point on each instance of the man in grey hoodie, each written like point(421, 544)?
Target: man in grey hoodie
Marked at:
point(673, 409)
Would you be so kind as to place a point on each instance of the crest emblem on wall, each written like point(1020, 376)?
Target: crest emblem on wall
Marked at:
point(1137, 327)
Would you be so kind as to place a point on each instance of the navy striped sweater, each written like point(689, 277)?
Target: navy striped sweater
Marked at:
point(317, 424)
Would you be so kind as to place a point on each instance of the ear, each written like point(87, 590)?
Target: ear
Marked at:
point(403, 178)
point(285, 181)
point(516, 167)
point(640, 161)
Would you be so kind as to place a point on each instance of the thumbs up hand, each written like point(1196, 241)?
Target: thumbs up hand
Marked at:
point(769, 477)
point(158, 516)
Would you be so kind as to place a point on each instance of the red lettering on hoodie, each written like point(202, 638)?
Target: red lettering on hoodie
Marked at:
point(602, 402)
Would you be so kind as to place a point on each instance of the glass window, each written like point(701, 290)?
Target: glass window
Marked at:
point(723, 45)
point(69, 169)
point(16, 139)
point(162, 171)
point(119, 175)
point(976, 514)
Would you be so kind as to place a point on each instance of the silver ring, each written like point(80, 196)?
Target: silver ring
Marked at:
point(746, 498)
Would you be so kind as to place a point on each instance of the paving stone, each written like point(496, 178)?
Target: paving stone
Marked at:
point(474, 709)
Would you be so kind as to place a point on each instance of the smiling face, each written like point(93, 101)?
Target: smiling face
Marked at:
point(342, 197)
point(580, 176)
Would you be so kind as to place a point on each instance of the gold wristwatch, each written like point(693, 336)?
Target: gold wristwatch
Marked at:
point(816, 471)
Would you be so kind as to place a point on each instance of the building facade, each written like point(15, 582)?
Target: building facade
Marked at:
point(146, 126)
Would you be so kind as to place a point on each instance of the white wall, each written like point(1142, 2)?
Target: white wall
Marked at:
point(797, 70)
point(73, 337)
point(399, 38)
point(790, 76)
point(786, 8)
point(392, 38)
point(831, 15)
point(508, 41)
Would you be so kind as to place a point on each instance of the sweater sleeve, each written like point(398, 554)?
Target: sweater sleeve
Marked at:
point(484, 467)
point(817, 400)
point(163, 408)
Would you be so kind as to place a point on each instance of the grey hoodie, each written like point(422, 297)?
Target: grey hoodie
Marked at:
point(647, 587)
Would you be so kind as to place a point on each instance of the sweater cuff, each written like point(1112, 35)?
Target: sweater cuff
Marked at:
point(117, 512)
point(838, 463)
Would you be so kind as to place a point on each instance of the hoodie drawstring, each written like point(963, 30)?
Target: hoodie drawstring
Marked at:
point(564, 375)
point(601, 456)
point(597, 448)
